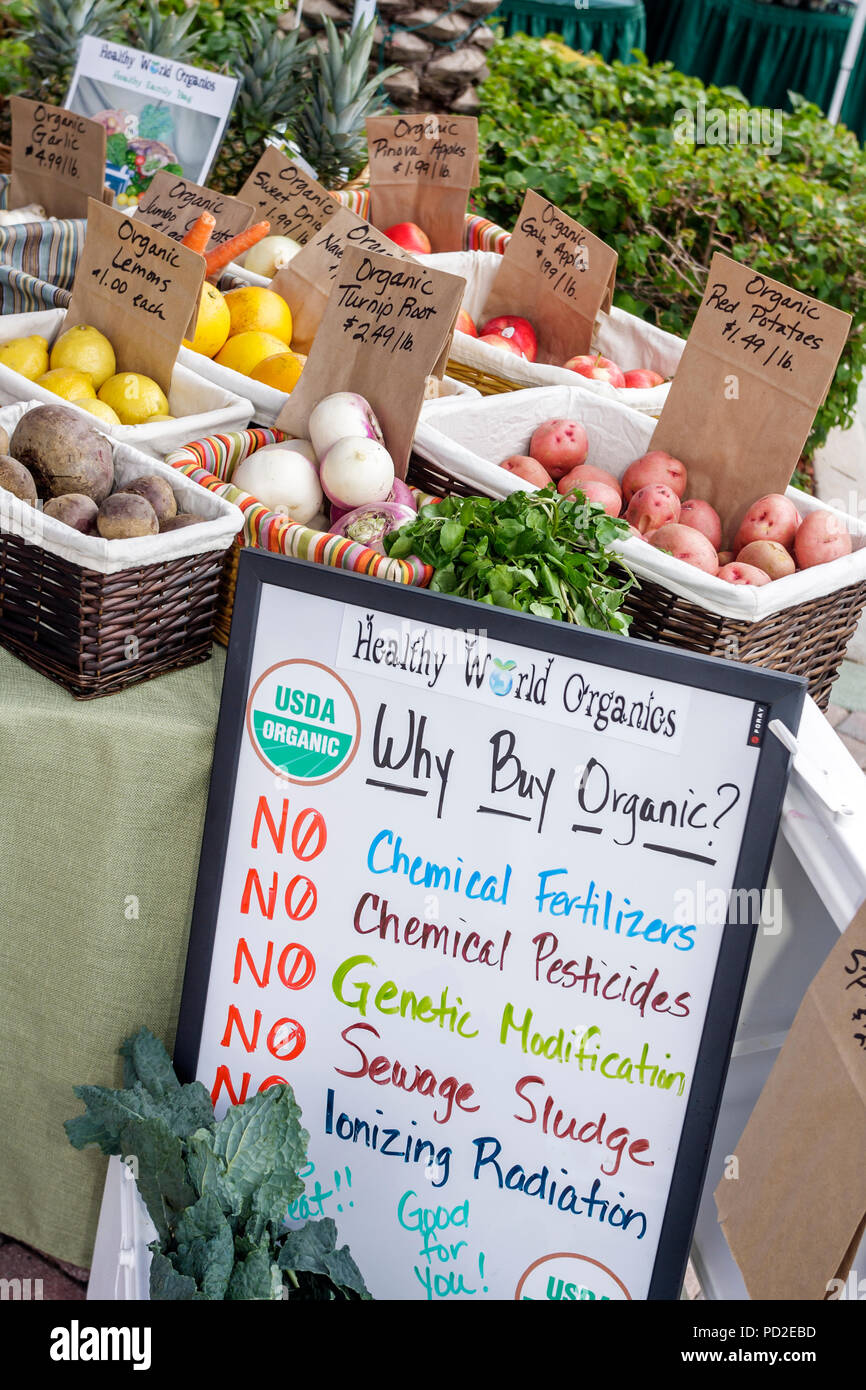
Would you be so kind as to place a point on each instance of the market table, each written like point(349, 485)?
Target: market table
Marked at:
point(99, 839)
point(609, 27)
point(765, 50)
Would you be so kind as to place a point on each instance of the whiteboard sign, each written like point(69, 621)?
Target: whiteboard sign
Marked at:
point(466, 891)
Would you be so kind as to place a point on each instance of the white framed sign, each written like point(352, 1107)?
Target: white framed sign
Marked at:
point(157, 113)
point(454, 889)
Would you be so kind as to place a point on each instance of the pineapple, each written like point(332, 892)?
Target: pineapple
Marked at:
point(331, 128)
point(270, 93)
point(165, 35)
point(53, 32)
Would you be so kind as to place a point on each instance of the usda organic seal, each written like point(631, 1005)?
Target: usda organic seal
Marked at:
point(303, 721)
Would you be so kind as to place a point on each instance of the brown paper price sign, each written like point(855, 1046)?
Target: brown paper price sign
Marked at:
point(171, 205)
point(387, 327)
point(306, 282)
point(757, 365)
point(556, 274)
point(284, 195)
point(809, 1125)
point(421, 170)
point(58, 158)
point(139, 288)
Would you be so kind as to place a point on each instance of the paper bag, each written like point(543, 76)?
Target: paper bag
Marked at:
point(793, 1215)
point(306, 282)
point(556, 274)
point(139, 288)
point(387, 326)
point(757, 365)
point(172, 204)
point(285, 195)
point(58, 158)
point(422, 169)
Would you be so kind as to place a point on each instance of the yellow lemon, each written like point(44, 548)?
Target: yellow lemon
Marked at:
point(280, 371)
point(255, 309)
point(134, 397)
point(160, 415)
point(244, 351)
point(29, 356)
point(66, 382)
point(213, 324)
point(86, 350)
point(102, 411)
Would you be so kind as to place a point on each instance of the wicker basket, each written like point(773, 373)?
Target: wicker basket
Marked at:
point(95, 633)
point(211, 463)
point(808, 639)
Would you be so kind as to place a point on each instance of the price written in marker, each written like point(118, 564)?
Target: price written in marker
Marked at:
point(58, 158)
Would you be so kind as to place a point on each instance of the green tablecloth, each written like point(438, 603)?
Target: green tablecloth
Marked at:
point(100, 829)
point(765, 50)
point(609, 27)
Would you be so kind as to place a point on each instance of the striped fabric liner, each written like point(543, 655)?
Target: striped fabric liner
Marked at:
point(48, 250)
point(37, 261)
point(211, 462)
point(478, 233)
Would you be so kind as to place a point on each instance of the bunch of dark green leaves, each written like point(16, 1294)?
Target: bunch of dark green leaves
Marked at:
point(535, 552)
point(217, 1192)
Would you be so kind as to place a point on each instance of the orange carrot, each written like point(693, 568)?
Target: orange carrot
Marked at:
point(236, 246)
point(198, 235)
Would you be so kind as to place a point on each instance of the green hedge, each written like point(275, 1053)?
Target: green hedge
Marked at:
point(599, 140)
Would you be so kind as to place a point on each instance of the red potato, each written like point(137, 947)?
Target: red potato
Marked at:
point(559, 446)
point(652, 507)
point(743, 574)
point(821, 538)
point(505, 344)
point(771, 518)
point(769, 556)
point(596, 368)
point(588, 473)
point(600, 493)
point(519, 330)
point(704, 518)
point(654, 467)
point(642, 377)
point(465, 325)
point(688, 545)
point(529, 469)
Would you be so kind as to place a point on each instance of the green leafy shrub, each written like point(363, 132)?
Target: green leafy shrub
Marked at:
point(598, 139)
point(217, 1191)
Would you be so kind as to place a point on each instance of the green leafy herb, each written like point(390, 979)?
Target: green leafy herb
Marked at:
point(533, 552)
point(217, 1192)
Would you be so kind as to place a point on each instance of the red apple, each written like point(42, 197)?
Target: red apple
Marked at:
point(496, 340)
point(410, 237)
point(464, 324)
point(643, 377)
point(521, 330)
point(596, 368)
point(529, 469)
